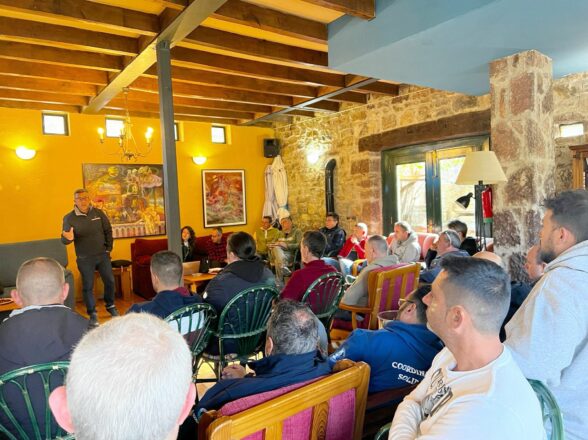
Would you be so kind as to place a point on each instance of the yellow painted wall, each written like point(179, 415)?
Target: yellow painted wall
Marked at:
point(36, 194)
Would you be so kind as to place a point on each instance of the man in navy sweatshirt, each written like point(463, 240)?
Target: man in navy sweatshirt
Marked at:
point(166, 277)
point(400, 353)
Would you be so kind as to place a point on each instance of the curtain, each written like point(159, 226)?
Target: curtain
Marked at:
point(270, 206)
point(280, 180)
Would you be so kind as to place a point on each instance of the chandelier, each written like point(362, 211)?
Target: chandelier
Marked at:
point(128, 147)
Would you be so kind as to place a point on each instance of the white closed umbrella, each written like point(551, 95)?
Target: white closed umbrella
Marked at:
point(280, 186)
point(270, 206)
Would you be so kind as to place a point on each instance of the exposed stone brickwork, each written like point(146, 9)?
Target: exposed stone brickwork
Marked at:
point(522, 137)
point(358, 174)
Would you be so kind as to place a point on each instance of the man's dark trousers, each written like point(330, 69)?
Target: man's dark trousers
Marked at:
point(87, 266)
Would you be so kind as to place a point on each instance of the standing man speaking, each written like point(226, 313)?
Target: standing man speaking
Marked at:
point(90, 231)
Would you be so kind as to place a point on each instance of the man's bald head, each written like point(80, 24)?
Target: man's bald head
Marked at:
point(41, 281)
point(490, 256)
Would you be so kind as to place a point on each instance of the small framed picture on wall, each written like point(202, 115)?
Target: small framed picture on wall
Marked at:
point(224, 197)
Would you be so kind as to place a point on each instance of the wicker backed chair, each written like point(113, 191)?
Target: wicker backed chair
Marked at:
point(24, 408)
point(323, 297)
point(549, 409)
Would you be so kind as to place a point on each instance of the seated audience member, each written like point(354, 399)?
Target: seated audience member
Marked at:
point(43, 329)
point(334, 234)
point(474, 388)
point(376, 252)
point(447, 245)
point(548, 335)
point(468, 244)
point(216, 247)
point(188, 244)
point(291, 356)
point(167, 279)
point(130, 379)
point(405, 244)
point(353, 249)
point(312, 247)
point(245, 269)
point(400, 353)
point(265, 235)
point(282, 251)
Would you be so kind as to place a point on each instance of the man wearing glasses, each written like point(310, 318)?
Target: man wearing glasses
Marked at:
point(90, 231)
point(448, 244)
point(400, 353)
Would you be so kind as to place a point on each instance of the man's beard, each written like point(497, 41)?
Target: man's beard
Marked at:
point(547, 255)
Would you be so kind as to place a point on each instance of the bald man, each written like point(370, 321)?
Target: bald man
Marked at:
point(43, 329)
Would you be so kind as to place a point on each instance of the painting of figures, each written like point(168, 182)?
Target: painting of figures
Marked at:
point(131, 196)
point(224, 197)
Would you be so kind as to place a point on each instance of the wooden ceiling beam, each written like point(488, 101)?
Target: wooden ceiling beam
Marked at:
point(75, 12)
point(38, 106)
point(151, 115)
point(242, 44)
point(382, 87)
point(177, 30)
point(32, 52)
point(136, 95)
point(355, 97)
point(47, 85)
point(217, 93)
point(38, 70)
point(174, 4)
point(64, 37)
point(365, 9)
point(45, 97)
point(193, 57)
point(207, 77)
point(178, 109)
point(316, 104)
point(247, 14)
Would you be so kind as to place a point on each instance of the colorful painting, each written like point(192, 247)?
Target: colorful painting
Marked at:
point(224, 197)
point(131, 196)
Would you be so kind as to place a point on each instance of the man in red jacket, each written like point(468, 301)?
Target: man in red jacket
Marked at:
point(312, 246)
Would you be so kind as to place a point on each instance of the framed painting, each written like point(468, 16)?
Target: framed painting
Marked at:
point(131, 196)
point(223, 195)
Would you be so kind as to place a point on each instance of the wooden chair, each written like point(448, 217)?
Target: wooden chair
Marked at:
point(355, 266)
point(549, 409)
point(323, 297)
point(330, 408)
point(386, 286)
point(381, 407)
point(24, 411)
point(195, 322)
point(244, 322)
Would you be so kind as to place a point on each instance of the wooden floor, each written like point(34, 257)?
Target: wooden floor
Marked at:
point(206, 371)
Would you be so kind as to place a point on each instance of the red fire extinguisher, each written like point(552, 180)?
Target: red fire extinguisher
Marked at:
point(487, 205)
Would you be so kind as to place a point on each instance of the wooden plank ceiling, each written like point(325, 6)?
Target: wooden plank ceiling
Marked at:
point(249, 62)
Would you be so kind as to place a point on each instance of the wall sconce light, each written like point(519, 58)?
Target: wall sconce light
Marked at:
point(25, 153)
point(101, 135)
point(199, 160)
point(149, 135)
point(312, 157)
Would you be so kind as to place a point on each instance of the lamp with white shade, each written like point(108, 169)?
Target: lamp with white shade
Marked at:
point(480, 168)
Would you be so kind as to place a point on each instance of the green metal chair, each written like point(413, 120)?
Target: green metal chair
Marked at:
point(195, 322)
point(382, 434)
point(323, 297)
point(243, 321)
point(549, 409)
point(24, 393)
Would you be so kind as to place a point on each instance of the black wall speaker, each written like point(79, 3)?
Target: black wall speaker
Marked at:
point(271, 147)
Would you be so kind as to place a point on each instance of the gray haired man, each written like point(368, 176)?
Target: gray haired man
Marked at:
point(291, 357)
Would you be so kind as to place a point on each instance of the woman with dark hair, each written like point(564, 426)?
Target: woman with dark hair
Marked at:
point(188, 243)
point(244, 269)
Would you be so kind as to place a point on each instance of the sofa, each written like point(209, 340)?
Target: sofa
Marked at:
point(141, 251)
point(13, 255)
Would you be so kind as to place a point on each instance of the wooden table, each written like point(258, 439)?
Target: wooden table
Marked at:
point(196, 279)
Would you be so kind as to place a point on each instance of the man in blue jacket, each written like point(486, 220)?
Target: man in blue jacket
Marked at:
point(166, 276)
point(400, 353)
point(291, 356)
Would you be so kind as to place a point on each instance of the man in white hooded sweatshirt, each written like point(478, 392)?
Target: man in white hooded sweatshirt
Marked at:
point(548, 336)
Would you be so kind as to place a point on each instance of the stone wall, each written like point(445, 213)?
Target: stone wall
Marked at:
point(570, 97)
point(358, 174)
